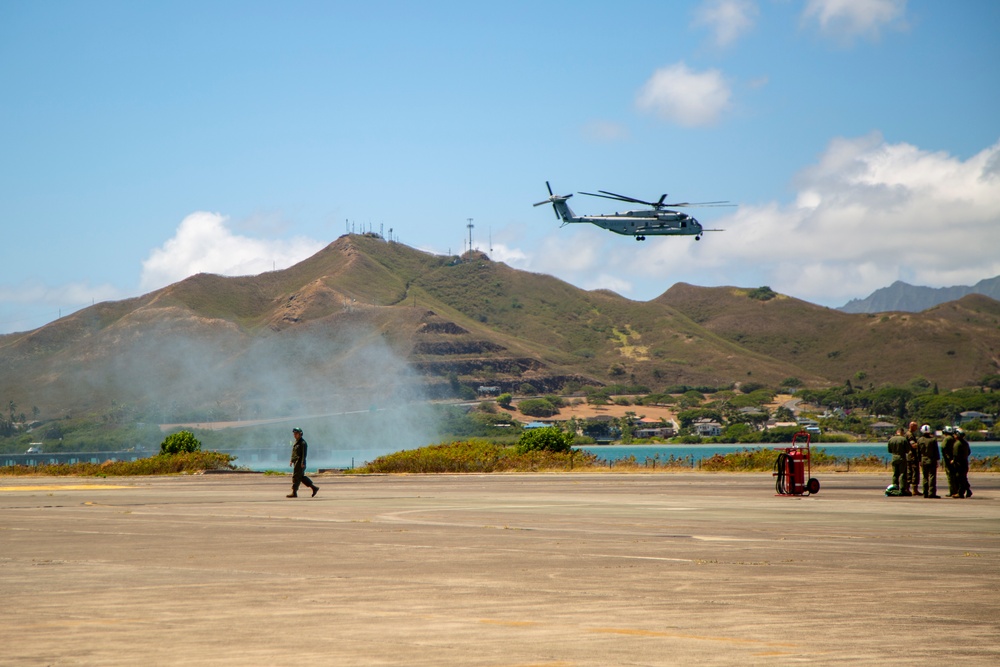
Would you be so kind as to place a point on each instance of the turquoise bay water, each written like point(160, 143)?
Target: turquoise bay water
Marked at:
point(698, 452)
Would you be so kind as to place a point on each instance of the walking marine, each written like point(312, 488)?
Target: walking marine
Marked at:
point(298, 463)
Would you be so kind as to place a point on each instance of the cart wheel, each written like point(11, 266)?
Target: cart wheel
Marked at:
point(812, 486)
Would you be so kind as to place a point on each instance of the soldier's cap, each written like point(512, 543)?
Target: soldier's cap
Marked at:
point(296, 430)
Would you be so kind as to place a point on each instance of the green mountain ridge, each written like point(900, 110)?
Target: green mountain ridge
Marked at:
point(366, 322)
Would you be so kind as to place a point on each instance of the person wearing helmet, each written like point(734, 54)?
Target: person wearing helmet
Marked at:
point(962, 453)
point(898, 447)
point(930, 454)
point(913, 460)
point(298, 463)
point(948, 459)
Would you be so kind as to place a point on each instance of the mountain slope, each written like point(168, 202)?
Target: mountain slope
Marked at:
point(904, 297)
point(365, 322)
point(954, 344)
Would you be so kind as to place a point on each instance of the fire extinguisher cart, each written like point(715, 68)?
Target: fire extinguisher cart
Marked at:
point(793, 468)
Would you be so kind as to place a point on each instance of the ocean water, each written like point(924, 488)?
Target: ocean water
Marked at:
point(699, 452)
point(319, 457)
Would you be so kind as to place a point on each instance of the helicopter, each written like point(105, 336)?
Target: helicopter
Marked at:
point(657, 222)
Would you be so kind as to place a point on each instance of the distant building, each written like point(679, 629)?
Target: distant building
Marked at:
point(972, 416)
point(883, 428)
point(810, 426)
point(707, 428)
point(601, 428)
point(654, 429)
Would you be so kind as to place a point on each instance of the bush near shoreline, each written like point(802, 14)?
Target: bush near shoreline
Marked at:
point(163, 464)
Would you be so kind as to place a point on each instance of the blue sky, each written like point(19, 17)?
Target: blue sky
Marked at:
point(145, 142)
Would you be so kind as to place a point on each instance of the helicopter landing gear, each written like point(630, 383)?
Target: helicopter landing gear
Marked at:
point(640, 238)
point(697, 238)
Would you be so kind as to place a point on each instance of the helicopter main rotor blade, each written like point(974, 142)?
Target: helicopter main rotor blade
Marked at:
point(615, 197)
point(660, 204)
point(591, 194)
point(549, 187)
point(700, 203)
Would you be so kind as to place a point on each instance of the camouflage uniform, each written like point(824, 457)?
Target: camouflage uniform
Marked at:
point(948, 457)
point(962, 453)
point(898, 446)
point(929, 457)
point(298, 463)
point(913, 462)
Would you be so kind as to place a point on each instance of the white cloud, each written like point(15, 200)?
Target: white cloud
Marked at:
point(847, 19)
point(203, 243)
point(72, 295)
point(869, 213)
point(728, 19)
point(510, 256)
point(680, 95)
point(32, 303)
point(865, 214)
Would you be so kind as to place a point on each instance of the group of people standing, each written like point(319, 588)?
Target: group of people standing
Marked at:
point(917, 453)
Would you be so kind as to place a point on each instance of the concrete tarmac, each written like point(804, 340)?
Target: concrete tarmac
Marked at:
point(546, 570)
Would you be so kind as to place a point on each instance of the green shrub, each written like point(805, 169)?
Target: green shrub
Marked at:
point(763, 293)
point(548, 439)
point(537, 407)
point(475, 456)
point(182, 441)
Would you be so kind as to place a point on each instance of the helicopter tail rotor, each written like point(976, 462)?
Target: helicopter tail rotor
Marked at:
point(554, 199)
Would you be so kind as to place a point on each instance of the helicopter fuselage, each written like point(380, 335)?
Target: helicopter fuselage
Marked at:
point(640, 224)
point(644, 223)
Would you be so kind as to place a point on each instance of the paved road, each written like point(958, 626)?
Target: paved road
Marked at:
point(584, 569)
